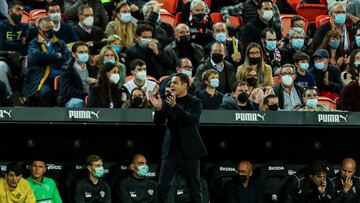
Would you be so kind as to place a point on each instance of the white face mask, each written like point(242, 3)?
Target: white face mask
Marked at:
point(141, 75)
point(287, 80)
point(114, 78)
point(55, 17)
point(267, 15)
point(89, 21)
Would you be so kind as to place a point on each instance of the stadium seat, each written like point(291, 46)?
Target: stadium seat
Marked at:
point(216, 17)
point(217, 176)
point(273, 175)
point(178, 18)
point(168, 18)
point(25, 17)
point(36, 14)
point(294, 3)
point(235, 21)
point(286, 23)
point(74, 174)
point(208, 2)
point(169, 5)
point(322, 19)
point(311, 11)
point(56, 83)
point(328, 102)
point(163, 78)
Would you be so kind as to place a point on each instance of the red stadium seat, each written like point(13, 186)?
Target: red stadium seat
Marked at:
point(178, 18)
point(294, 3)
point(169, 5)
point(56, 83)
point(36, 14)
point(208, 2)
point(25, 17)
point(216, 17)
point(235, 21)
point(322, 19)
point(286, 23)
point(168, 18)
point(311, 11)
point(328, 102)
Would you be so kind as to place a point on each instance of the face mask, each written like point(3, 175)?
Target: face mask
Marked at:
point(220, 37)
point(254, 61)
point(267, 15)
point(187, 72)
point(142, 170)
point(82, 58)
point(99, 172)
point(114, 78)
point(340, 19)
point(185, 40)
point(144, 42)
point(16, 18)
point(270, 44)
point(214, 83)
point(49, 34)
point(304, 66)
point(217, 58)
point(55, 17)
point(125, 17)
point(137, 101)
point(357, 41)
point(297, 43)
point(141, 75)
point(199, 17)
point(356, 64)
point(311, 103)
point(241, 178)
point(243, 97)
point(251, 81)
point(89, 21)
point(153, 18)
point(320, 66)
point(109, 61)
point(334, 44)
point(286, 80)
point(273, 107)
point(117, 48)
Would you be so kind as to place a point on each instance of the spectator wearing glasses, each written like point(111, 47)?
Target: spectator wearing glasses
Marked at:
point(327, 76)
point(289, 93)
point(297, 21)
point(303, 77)
point(311, 101)
point(338, 22)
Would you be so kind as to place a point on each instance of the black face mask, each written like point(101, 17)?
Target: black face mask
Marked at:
point(251, 81)
point(273, 107)
point(217, 58)
point(16, 18)
point(137, 102)
point(184, 40)
point(243, 97)
point(199, 17)
point(240, 178)
point(49, 34)
point(254, 61)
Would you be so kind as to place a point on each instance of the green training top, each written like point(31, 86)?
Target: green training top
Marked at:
point(46, 191)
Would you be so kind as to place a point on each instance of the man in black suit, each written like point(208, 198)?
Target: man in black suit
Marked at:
point(183, 146)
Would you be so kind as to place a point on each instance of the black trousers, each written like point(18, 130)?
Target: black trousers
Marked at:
point(170, 167)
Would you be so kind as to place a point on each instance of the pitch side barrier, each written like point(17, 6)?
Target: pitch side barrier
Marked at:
point(56, 115)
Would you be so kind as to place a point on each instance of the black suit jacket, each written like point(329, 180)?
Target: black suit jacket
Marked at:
point(182, 121)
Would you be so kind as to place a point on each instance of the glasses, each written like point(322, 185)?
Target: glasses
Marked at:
point(340, 12)
point(187, 67)
point(311, 95)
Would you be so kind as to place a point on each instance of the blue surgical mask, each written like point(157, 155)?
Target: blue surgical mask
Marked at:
point(82, 58)
point(304, 66)
point(99, 172)
point(214, 83)
point(320, 66)
point(297, 43)
point(311, 103)
point(334, 44)
point(142, 170)
point(187, 72)
point(221, 36)
point(125, 17)
point(356, 63)
point(340, 19)
point(109, 61)
point(270, 44)
point(117, 48)
point(357, 41)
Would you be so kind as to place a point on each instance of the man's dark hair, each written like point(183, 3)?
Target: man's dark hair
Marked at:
point(37, 159)
point(308, 88)
point(238, 84)
point(14, 167)
point(11, 4)
point(266, 30)
point(143, 28)
point(317, 167)
point(300, 56)
point(183, 78)
point(92, 158)
point(295, 18)
point(261, 2)
point(81, 9)
point(267, 98)
point(53, 3)
point(136, 62)
point(179, 62)
point(77, 44)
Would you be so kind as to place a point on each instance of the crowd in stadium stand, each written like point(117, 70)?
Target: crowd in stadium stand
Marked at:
point(237, 53)
point(136, 182)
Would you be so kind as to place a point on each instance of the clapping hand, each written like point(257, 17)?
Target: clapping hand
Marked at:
point(156, 101)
